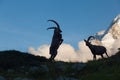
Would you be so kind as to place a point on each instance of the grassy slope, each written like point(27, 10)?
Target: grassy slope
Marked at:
point(11, 62)
point(104, 69)
point(13, 58)
point(15, 64)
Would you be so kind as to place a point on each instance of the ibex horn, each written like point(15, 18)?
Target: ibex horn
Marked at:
point(90, 38)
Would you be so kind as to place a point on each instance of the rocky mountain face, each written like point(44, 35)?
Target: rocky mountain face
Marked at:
point(113, 29)
point(109, 37)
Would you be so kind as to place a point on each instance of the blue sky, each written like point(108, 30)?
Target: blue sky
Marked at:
point(23, 23)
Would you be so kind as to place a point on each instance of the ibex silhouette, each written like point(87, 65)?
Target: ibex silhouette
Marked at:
point(56, 40)
point(95, 49)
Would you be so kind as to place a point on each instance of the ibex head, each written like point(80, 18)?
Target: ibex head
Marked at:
point(88, 40)
point(55, 28)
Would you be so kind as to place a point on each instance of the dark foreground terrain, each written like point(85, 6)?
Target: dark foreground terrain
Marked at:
point(16, 65)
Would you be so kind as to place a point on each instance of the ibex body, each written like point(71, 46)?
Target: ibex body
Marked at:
point(56, 40)
point(95, 49)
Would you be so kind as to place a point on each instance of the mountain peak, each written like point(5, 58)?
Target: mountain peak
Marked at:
point(113, 29)
point(117, 19)
point(109, 36)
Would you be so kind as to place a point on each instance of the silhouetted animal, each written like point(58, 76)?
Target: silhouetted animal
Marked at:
point(56, 40)
point(95, 49)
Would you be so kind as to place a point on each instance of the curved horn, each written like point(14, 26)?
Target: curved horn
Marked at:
point(90, 38)
point(51, 28)
point(55, 23)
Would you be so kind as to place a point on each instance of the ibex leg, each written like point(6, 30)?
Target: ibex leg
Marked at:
point(106, 54)
point(94, 57)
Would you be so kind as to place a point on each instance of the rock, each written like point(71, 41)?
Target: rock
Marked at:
point(19, 78)
point(78, 66)
point(41, 69)
point(44, 68)
point(10, 70)
point(34, 69)
point(60, 66)
point(66, 78)
point(22, 67)
point(2, 78)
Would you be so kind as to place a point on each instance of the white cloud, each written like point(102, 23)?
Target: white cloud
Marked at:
point(33, 51)
point(115, 47)
point(44, 50)
point(41, 51)
point(67, 53)
point(108, 40)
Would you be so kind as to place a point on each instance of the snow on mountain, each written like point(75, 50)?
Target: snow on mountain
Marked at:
point(109, 37)
point(113, 29)
point(117, 19)
point(99, 35)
